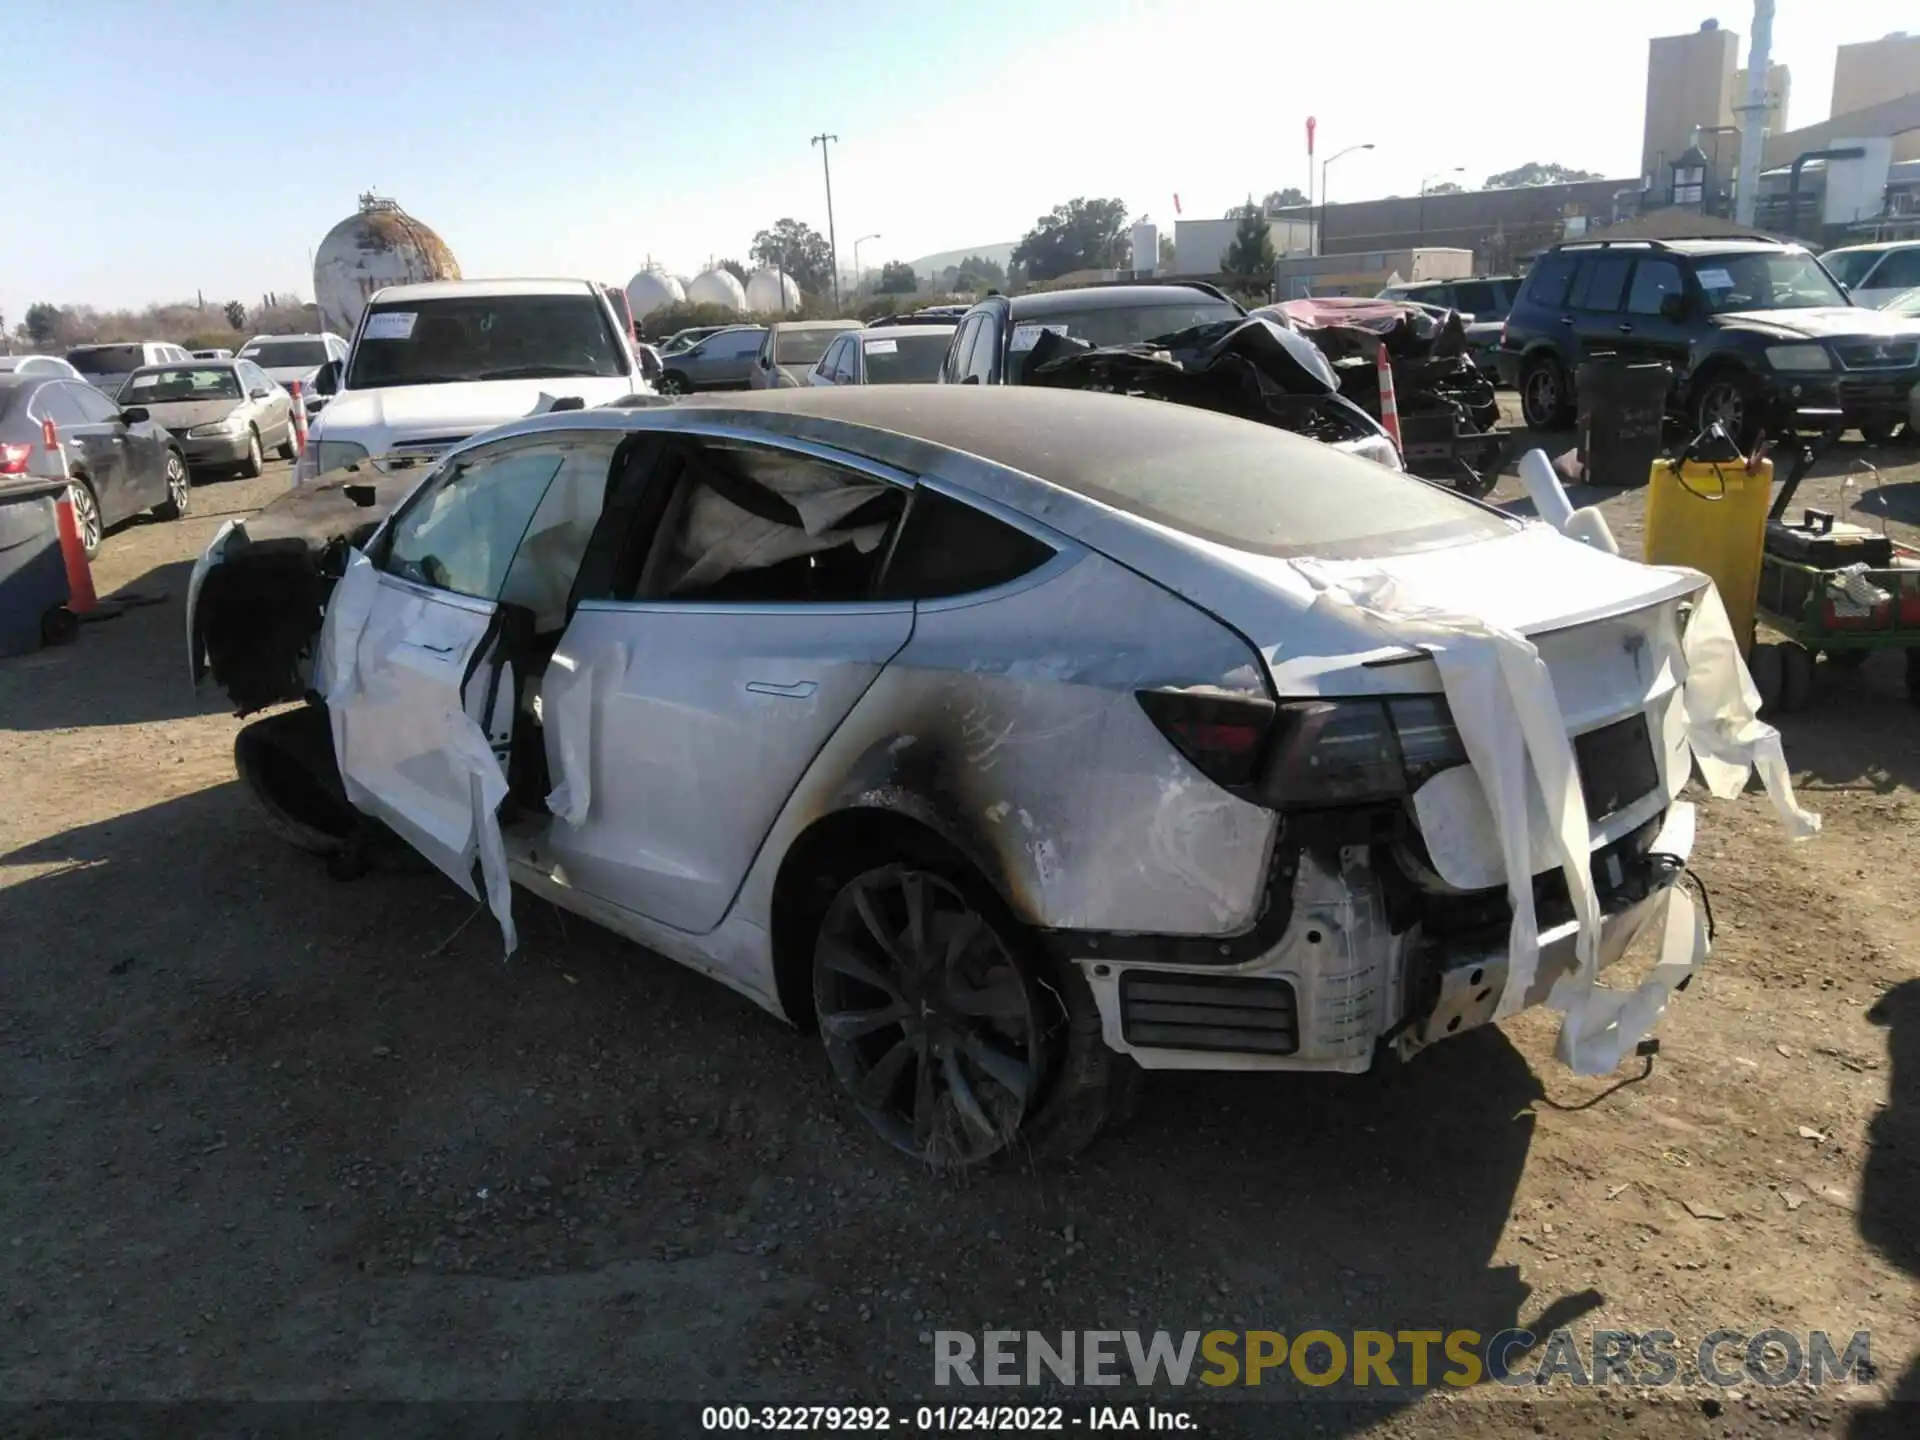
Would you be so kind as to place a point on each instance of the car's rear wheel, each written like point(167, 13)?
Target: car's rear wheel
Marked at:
point(1727, 398)
point(673, 383)
point(251, 467)
point(1546, 399)
point(179, 490)
point(86, 516)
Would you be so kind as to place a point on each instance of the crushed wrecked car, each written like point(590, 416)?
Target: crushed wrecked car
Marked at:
point(1178, 340)
point(1014, 739)
point(1448, 411)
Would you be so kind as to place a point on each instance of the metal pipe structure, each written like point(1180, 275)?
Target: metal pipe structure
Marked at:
point(1320, 232)
point(833, 250)
point(856, 260)
point(1846, 152)
point(1753, 114)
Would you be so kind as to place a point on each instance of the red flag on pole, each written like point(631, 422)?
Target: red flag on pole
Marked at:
point(1311, 123)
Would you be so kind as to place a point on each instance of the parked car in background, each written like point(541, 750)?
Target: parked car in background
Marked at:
point(221, 413)
point(722, 360)
point(38, 365)
point(119, 462)
point(431, 364)
point(1753, 330)
point(212, 354)
point(932, 315)
point(1485, 299)
point(1199, 846)
point(791, 348)
point(106, 367)
point(287, 358)
point(897, 355)
point(693, 335)
point(1875, 275)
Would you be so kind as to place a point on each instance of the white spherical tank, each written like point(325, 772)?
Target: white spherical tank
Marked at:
point(1146, 248)
point(772, 292)
point(718, 287)
point(377, 246)
point(651, 289)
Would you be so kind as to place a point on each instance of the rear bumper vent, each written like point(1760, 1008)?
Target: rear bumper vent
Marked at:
point(1208, 1012)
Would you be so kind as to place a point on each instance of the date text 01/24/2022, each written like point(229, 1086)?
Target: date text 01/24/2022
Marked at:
point(940, 1419)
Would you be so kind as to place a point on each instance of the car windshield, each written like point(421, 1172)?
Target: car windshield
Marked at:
point(1114, 325)
point(107, 359)
point(906, 359)
point(483, 337)
point(803, 347)
point(181, 382)
point(1765, 281)
point(1850, 267)
point(286, 354)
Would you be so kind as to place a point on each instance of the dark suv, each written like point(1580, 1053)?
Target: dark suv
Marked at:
point(1753, 329)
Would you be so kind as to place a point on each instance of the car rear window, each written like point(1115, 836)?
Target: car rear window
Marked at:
point(803, 347)
point(1253, 488)
point(285, 354)
point(107, 359)
point(905, 359)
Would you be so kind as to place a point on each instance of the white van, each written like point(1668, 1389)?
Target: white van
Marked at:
point(435, 363)
point(106, 367)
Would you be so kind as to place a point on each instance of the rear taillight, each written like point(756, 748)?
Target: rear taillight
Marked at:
point(1223, 735)
point(1345, 752)
point(14, 458)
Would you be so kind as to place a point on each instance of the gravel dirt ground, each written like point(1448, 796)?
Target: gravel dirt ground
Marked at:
point(272, 1136)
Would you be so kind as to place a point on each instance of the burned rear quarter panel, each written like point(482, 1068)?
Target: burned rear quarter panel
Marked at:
point(1009, 725)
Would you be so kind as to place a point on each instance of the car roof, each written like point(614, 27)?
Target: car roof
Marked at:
point(1043, 303)
point(894, 332)
point(192, 363)
point(451, 289)
point(303, 335)
point(117, 345)
point(1070, 438)
point(1875, 245)
point(816, 325)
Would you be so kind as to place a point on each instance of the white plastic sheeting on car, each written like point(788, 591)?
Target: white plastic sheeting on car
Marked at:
point(1509, 720)
point(470, 746)
point(566, 719)
point(337, 673)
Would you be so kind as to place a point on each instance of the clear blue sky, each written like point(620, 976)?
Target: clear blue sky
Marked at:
point(173, 145)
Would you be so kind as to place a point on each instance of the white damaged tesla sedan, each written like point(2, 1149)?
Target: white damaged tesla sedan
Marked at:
point(1016, 740)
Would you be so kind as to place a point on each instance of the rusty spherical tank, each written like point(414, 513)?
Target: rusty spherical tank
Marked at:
point(378, 245)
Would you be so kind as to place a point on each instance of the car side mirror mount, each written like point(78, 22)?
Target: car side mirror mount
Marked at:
point(970, 380)
point(259, 392)
point(134, 415)
point(1673, 307)
point(326, 380)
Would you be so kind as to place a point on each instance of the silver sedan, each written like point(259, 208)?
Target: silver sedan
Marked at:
point(222, 413)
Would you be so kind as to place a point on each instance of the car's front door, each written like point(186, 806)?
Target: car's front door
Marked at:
point(420, 646)
point(95, 442)
point(1652, 326)
point(142, 450)
point(687, 700)
point(1599, 291)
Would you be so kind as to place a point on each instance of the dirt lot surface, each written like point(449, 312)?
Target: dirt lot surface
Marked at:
point(269, 1135)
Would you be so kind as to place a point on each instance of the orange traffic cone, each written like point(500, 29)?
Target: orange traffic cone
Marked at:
point(80, 597)
point(1389, 407)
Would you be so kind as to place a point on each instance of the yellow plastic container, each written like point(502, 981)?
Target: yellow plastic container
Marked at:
point(1713, 517)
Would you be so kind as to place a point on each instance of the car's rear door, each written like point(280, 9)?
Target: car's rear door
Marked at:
point(419, 650)
point(690, 693)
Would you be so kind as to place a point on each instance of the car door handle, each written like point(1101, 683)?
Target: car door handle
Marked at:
point(1624, 329)
point(430, 649)
point(799, 690)
point(1566, 320)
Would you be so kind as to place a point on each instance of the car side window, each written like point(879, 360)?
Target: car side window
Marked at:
point(979, 362)
point(460, 530)
point(541, 575)
point(956, 361)
point(1606, 284)
point(94, 408)
point(1476, 297)
point(1653, 281)
point(756, 525)
point(947, 547)
point(58, 403)
point(1546, 283)
point(1899, 271)
point(846, 369)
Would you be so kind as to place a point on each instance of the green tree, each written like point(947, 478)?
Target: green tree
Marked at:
point(976, 272)
point(736, 269)
point(798, 249)
point(1079, 235)
point(897, 278)
point(1166, 252)
point(236, 315)
point(1445, 187)
point(1534, 173)
point(1250, 257)
point(42, 322)
point(1280, 199)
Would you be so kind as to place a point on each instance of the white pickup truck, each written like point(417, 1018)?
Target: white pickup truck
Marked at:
point(433, 364)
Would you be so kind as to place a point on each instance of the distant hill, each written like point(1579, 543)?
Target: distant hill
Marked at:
point(929, 265)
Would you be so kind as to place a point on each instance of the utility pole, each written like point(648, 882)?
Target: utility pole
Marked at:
point(1753, 114)
point(833, 249)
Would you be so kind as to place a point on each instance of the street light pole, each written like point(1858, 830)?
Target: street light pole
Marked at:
point(1453, 170)
point(833, 250)
point(856, 260)
point(1320, 246)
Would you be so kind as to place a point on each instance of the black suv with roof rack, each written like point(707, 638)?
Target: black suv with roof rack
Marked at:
point(1754, 330)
